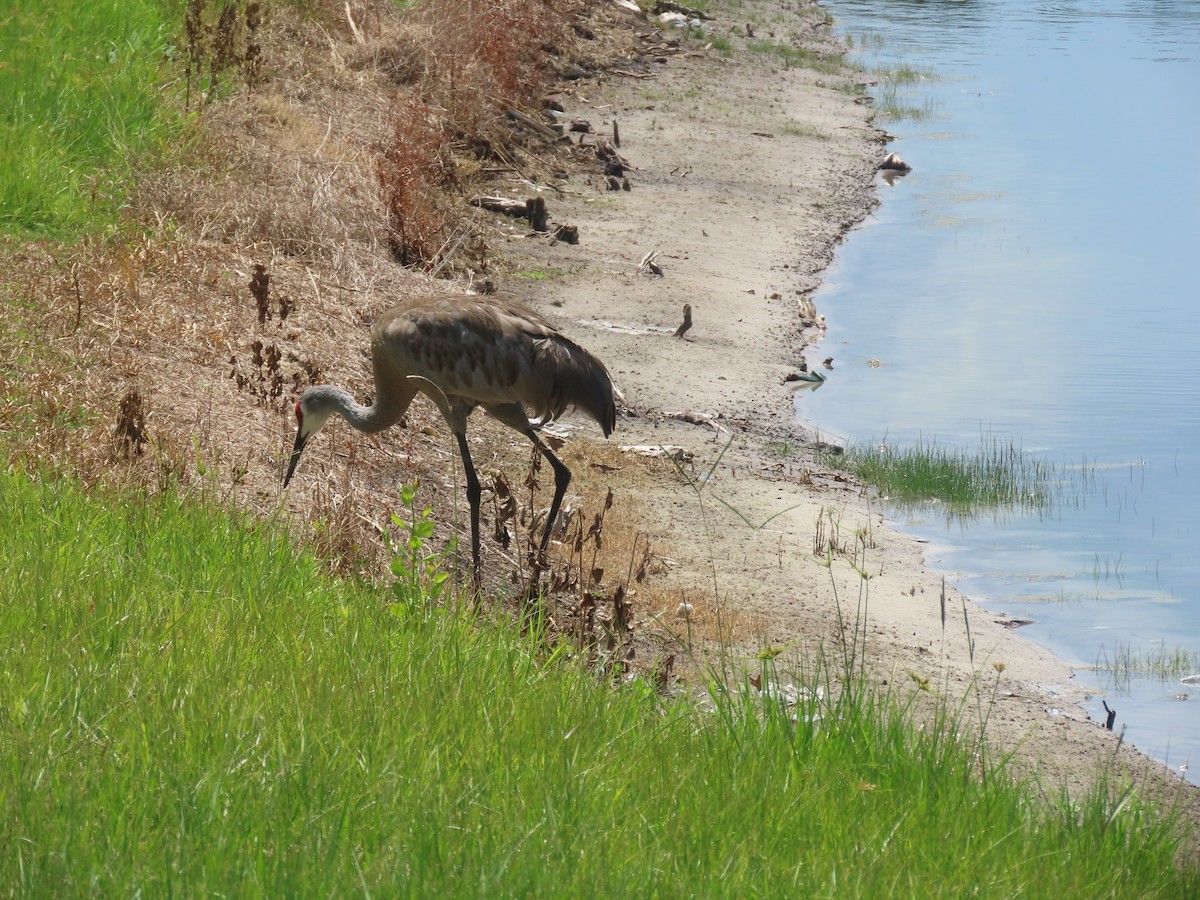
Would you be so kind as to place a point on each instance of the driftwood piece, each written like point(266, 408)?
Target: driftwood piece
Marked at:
point(669, 451)
point(614, 162)
point(663, 6)
point(533, 209)
point(568, 234)
point(707, 420)
point(533, 124)
point(648, 264)
point(502, 205)
point(539, 219)
point(582, 126)
point(687, 321)
point(616, 134)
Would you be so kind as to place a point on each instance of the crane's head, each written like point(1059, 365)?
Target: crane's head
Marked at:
point(312, 411)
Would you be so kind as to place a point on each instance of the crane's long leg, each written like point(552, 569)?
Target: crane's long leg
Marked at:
point(474, 492)
point(562, 478)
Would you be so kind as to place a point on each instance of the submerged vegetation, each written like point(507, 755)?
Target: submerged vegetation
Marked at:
point(894, 105)
point(996, 476)
point(893, 96)
point(1163, 663)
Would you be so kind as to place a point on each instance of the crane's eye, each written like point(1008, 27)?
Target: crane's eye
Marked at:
point(299, 415)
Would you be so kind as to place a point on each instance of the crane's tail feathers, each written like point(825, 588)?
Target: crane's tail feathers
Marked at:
point(578, 379)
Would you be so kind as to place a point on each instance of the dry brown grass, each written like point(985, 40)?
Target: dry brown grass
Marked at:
point(257, 255)
point(474, 59)
point(463, 64)
point(220, 39)
point(416, 172)
point(176, 325)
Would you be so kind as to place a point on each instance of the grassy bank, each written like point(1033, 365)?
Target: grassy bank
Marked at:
point(188, 706)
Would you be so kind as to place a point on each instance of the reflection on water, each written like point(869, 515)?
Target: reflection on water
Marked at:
point(1033, 277)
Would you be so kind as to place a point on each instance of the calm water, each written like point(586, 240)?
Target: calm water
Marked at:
point(1035, 277)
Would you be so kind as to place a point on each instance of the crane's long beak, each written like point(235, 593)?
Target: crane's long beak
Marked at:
point(296, 451)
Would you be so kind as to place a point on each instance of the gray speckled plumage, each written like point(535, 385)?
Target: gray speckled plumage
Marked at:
point(464, 352)
point(489, 351)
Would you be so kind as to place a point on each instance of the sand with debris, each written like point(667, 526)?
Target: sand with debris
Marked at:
point(746, 176)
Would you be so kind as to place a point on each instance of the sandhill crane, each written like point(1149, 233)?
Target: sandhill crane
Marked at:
point(463, 352)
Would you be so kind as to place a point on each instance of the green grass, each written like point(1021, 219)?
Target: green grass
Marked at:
point(1165, 664)
point(894, 101)
point(540, 274)
point(780, 448)
point(722, 43)
point(80, 96)
point(895, 106)
point(995, 476)
point(905, 74)
point(867, 40)
point(795, 56)
point(188, 707)
point(794, 128)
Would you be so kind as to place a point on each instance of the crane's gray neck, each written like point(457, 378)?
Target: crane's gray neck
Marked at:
point(322, 401)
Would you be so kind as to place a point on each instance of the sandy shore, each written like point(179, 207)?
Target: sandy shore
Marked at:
point(747, 176)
